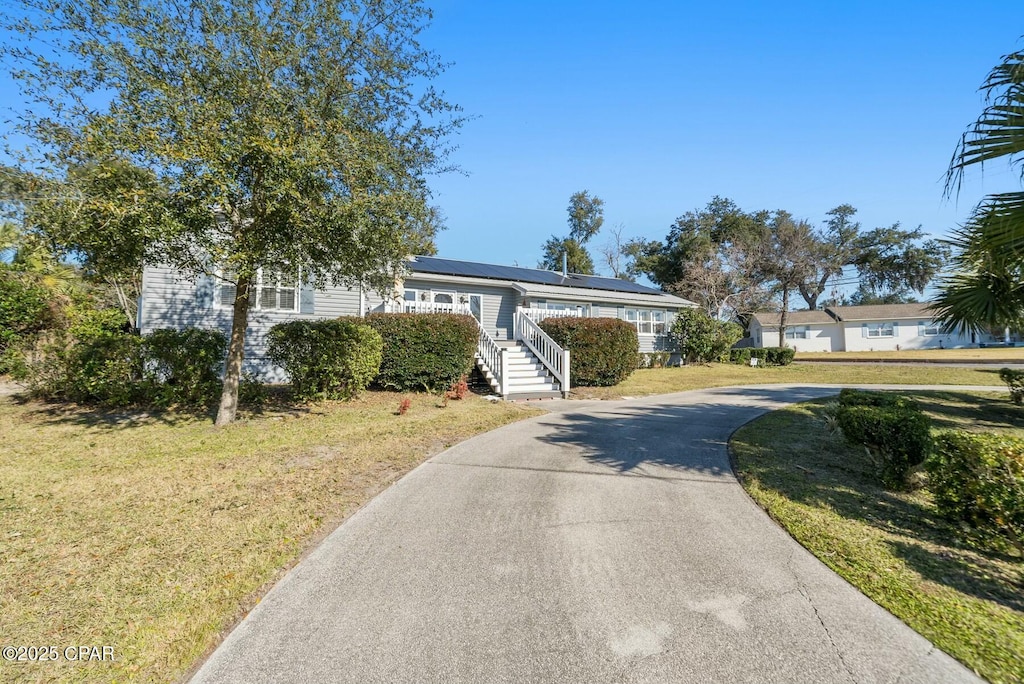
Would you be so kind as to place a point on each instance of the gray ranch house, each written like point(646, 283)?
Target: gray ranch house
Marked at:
point(515, 356)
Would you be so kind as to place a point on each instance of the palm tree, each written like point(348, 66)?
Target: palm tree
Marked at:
point(987, 291)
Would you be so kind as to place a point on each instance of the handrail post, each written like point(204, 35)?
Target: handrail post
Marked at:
point(503, 373)
point(565, 374)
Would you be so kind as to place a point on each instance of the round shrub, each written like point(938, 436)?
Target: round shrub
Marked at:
point(602, 351)
point(978, 479)
point(701, 338)
point(24, 308)
point(329, 359)
point(424, 351)
point(183, 366)
point(897, 438)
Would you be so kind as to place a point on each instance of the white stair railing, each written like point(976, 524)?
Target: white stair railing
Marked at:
point(554, 358)
point(494, 356)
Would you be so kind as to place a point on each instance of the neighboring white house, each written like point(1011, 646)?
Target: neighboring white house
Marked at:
point(858, 328)
point(506, 302)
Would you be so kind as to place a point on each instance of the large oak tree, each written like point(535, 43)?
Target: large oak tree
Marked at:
point(292, 136)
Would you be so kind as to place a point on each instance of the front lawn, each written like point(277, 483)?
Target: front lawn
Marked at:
point(152, 534)
point(664, 380)
point(987, 355)
point(893, 546)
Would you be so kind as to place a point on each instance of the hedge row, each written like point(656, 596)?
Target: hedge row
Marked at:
point(766, 356)
point(94, 361)
point(602, 351)
point(424, 351)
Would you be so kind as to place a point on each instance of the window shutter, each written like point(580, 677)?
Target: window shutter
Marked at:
point(206, 292)
point(620, 313)
point(920, 328)
point(895, 328)
point(307, 299)
point(864, 330)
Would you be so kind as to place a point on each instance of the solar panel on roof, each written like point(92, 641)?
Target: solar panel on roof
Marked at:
point(524, 275)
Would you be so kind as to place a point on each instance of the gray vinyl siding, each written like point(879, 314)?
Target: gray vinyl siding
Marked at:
point(499, 303)
point(171, 300)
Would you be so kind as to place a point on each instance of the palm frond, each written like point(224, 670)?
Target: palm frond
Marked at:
point(981, 300)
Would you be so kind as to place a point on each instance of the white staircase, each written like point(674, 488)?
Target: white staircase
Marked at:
point(526, 377)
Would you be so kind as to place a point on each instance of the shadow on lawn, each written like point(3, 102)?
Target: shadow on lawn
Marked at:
point(98, 416)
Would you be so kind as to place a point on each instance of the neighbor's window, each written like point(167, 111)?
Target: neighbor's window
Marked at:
point(799, 332)
point(880, 330)
point(929, 329)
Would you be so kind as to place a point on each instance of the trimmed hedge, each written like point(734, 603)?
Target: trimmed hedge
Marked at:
point(602, 351)
point(897, 434)
point(766, 356)
point(326, 359)
point(978, 479)
point(424, 351)
point(855, 397)
point(183, 366)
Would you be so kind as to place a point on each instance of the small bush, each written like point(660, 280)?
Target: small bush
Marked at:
point(740, 356)
point(328, 359)
point(1014, 380)
point(602, 351)
point(703, 339)
point(183, 366)
point(424, 351)
point(897, 437)
point(403, 406)
point(654, 359)
point(458, 390)
point(978, 479)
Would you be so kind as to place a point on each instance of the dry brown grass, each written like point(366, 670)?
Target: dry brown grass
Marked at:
point(664, 380)
point(152, 534)
point(987, 355)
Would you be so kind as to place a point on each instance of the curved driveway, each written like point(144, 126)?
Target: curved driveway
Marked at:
point(603, 542)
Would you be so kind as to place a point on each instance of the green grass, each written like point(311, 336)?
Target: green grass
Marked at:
point(664, 380)
point(987, 355)
point(152, 534)
point(893, 546)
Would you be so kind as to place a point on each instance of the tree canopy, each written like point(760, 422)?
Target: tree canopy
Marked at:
point(986, 290)
point(586, 216)
point(734, 262)
point(229, 137)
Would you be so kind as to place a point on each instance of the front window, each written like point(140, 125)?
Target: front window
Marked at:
point(800, 332)
point(880, 330)
point(647, 322)
point(409, 295)
point(443, 298)
point(272, 290)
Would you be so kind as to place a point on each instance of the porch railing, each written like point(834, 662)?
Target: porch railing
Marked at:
point(540, 314)
point(495, 357)
point(546, 349)
point(426, 307)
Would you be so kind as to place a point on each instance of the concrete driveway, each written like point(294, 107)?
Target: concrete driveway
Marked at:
point(604, 542)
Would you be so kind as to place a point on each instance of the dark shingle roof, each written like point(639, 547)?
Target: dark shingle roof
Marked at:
point(436, 265)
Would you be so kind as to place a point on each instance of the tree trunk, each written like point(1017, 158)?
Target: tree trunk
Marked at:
point(236, 353)
point(782, 317)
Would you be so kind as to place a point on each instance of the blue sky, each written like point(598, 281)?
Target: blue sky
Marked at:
point(657, 107)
